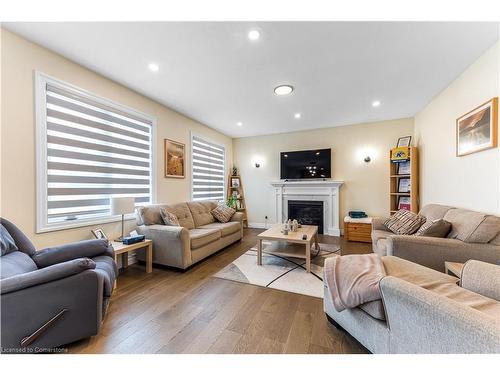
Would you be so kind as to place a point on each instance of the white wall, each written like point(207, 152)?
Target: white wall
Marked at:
point(471, 181)
point(366, 184)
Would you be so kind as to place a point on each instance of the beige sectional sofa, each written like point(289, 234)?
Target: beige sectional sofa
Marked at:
point(425, 311)
point(473, 235)
point(198, 236)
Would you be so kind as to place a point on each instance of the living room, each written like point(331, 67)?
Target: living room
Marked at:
point(250, 187)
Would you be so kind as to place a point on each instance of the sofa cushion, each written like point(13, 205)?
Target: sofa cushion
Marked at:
point(7, 243)
point(181, 210)
point(437, 228)
point(201, 211)
point(226, 229)
point(404, 222)
point(434, 211)
point(16, 263)
point(471, 226)
point(223, 213)
point(201, 237)
point(169, 218)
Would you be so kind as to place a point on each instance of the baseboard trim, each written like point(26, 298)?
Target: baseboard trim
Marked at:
point(257, 225)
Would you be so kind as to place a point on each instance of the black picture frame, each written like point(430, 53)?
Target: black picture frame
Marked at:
point(406, 201)
point(404, 141)
point(406, 168)
point(403, 181)
point(99, 234)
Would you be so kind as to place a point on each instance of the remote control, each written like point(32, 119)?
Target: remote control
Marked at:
point(304, 237)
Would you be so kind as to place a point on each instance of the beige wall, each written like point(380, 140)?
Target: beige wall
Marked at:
point(19, 60)
point(366, 184)
point(471, 181)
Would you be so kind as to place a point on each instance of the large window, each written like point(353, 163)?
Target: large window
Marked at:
point(208, 169)
point(88, 151)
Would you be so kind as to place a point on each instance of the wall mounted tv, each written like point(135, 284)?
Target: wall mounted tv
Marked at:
point(297, 165)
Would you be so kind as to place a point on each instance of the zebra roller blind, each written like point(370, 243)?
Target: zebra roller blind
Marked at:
point(94, 151)
point(208, 169)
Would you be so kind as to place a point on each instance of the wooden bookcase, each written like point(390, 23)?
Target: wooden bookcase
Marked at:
point(394, 183)
point(238, 188)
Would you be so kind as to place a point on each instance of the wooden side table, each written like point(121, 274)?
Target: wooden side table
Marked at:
point(453, 268)
point(359, 230)
point(123, 250)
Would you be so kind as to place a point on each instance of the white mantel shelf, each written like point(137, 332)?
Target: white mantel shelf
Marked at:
point(326, 191)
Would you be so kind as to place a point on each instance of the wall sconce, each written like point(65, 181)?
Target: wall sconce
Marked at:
point(367, 159)
point(257, 165)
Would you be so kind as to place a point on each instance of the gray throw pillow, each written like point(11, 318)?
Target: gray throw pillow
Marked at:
point(7, 243)
point(169, 218)
point(437, 228)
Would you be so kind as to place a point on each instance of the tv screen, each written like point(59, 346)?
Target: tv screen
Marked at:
point(306, 164)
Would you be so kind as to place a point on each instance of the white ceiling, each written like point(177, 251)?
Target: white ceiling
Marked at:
point(211, 71)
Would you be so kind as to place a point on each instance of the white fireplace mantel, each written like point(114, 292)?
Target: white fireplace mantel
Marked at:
point(309, 190)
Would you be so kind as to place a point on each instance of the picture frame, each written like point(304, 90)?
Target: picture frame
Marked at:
point(99, 234)
point(404, 185)
point(235, 182)
point(404, 168)
point(404, 203)
point(404, 141)
point(477, 130)
point(175, 159)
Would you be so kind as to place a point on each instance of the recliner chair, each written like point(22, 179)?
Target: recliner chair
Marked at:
point(55, 296)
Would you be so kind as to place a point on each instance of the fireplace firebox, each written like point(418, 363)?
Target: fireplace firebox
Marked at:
point(307, 212)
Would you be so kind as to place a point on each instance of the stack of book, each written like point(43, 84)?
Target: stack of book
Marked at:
point(357, 214)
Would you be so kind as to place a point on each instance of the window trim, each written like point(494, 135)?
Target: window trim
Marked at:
point(193, 134)
point(41, 80)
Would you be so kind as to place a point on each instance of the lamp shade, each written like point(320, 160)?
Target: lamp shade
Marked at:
point(122, 205)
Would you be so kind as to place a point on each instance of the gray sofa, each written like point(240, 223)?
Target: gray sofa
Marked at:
point(54, 296)
point(198, 236)
point(473, 235)
point(425, 311)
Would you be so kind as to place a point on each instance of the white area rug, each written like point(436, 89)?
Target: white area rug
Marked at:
point(278, 272)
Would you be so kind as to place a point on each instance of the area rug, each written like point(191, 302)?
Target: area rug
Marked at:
point(279, 272)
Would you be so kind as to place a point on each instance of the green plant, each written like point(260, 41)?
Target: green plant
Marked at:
point(232, 202)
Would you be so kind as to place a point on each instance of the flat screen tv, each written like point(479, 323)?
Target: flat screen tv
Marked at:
point(297, 165)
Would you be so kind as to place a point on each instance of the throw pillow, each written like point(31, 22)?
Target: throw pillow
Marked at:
point(404, 222)
point(7, 243)
point(169, 218)
point(437, 228)
point(223, 213)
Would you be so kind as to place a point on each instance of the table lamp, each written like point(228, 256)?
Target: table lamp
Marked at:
point(122, 206)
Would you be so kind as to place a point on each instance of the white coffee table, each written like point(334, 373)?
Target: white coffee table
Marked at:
point(284, 244)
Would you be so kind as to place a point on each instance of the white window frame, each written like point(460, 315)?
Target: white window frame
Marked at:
point(41, 81)
point(198, 135)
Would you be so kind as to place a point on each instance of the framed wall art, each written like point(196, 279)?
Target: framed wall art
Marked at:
point(175, 159)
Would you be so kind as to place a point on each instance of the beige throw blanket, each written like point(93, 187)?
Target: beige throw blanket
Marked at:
point(354, 279)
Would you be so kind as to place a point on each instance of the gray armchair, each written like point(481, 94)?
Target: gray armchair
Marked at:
point(55, 296)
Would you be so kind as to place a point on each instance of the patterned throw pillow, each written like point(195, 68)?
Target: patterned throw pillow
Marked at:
point(169, 218)
point(437, 228)
point(223, 213)
point(404, 222)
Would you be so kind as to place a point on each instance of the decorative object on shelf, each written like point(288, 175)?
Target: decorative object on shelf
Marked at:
point(400, 154)
point(122, 206)
point(404, 141)
point(295, 225)
point(404, 185)
point(175, 156)
point(403, 168)
point(477, 130)
point(404, 203)
point(232, 202)
point(235, 182)
point(99, 234)
point(235, 171)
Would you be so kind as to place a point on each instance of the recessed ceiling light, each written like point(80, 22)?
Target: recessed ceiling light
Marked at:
point(376, 103)
point(283, 90)
point(153, 67)
point(253, 34)
point(297, 115)
point(239, 123)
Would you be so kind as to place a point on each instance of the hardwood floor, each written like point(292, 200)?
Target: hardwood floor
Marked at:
point(173, 312)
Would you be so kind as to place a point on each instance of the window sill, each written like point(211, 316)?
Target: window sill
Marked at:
point(82, 224)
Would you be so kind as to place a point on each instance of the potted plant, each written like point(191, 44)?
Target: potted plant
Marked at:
point(232, 202)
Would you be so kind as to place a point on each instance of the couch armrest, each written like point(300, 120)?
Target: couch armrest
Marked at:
point(171, 244)
point(421, 321)
point(45, 275)
point(378, 223)
point(482, 278)
point(238, 216)
point(432, 252)
point(75, 250)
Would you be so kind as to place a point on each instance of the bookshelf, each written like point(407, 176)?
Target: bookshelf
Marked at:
point(411, 175)
point(234, 186)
